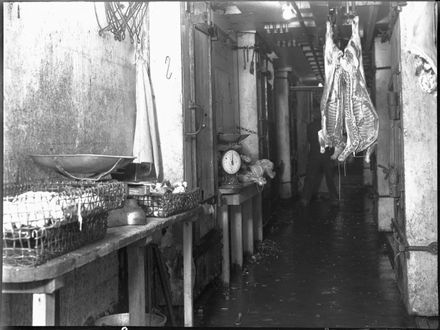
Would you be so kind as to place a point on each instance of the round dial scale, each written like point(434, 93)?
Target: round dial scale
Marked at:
point(231, 162)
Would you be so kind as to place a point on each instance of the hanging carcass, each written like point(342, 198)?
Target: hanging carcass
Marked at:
point(345, 99)
point(330, 134)
point(361, 119)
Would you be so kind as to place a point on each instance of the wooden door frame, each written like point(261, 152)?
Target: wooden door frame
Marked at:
point(190, 153)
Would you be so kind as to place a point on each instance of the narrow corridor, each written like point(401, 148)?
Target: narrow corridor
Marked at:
point(329, 269)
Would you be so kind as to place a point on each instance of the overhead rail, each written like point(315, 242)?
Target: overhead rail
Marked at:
point(309, 38)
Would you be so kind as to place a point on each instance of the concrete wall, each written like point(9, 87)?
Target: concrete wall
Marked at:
point(66, 89)
point(165, 40)
point(419, 119)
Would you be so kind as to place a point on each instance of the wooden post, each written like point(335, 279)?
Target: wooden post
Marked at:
point(136, 284)
point(43, 313)
point(258, 217)
point(248, 232)
point(187, 274)
point(225, 250)
point(236, 236)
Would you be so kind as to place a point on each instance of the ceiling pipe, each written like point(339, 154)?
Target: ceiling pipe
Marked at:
point(303, 25)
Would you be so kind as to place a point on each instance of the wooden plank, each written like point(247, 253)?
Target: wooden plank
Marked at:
point(190, 171)
point(225, 249)
point(258, 217)
point(206, 140)
point(187, 274)
point(248, 230)
point(246, 192)
point(136, 284)
point(224, 89)
point(115, 239)
point(43, 309)
point(34, 287)
point(236, 236)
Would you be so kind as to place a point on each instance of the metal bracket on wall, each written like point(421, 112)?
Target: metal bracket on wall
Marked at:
point(375, 196)
point(393, 99)
point(207, 29)
point(194, 106)
point(405, 248)
point(377, 68)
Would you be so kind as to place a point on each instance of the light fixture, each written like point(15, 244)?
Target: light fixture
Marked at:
point(288, 11)
point(286, 43)
point(232, 10)
point(276, 28)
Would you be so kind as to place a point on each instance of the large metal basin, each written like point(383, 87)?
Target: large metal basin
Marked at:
point(84, 165)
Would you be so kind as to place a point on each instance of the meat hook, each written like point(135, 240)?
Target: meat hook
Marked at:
point(168, 61)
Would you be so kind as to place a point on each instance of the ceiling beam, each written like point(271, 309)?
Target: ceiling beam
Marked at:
point(301, 20)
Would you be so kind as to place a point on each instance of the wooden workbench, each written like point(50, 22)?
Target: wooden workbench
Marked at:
point(244, 204)
point(44, 280)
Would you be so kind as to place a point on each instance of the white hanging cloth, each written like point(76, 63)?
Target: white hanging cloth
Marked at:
point(146, 143)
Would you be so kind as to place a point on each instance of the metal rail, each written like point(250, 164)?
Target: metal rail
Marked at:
point(301, 21)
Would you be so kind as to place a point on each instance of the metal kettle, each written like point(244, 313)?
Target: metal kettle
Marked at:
point(130, 214)
point(135, 215)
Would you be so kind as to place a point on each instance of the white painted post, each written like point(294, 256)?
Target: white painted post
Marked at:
point(248, 96)
point(248, 233)
point(236, 236)
point(382, 60)
point(283, 130)
point(225, 248)
point(43, 309)
point(257, 209)
point(187, 273)
point(136, 284)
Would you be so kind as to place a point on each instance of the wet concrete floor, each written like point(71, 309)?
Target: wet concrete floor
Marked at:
point(323, 267)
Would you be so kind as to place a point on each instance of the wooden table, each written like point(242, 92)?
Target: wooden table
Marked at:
point(44, 280)
point(244, 204)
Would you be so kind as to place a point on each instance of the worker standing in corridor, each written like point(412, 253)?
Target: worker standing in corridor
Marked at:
point(318, 163)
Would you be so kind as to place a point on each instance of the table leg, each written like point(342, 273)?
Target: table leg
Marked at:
point(43, 309)
point(136, 284)
point(237, 236)
point(258, 218)
point(187, 274)
point(248, 230)
point(225, 250)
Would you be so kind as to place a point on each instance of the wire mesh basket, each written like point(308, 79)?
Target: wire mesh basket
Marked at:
point(167, 204)
point(47, 219)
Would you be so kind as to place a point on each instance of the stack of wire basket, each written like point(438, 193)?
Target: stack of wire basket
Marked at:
point(44, 220)
point(163, 205)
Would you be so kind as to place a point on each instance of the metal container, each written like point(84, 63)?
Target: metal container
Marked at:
point(155, 319)
point(136, 172)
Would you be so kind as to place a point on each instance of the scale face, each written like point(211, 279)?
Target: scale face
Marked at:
point(231, 163)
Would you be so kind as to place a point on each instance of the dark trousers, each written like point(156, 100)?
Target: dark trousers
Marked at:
point(317, 165)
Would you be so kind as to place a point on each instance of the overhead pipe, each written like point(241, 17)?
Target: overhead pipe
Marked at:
point(303, 25)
